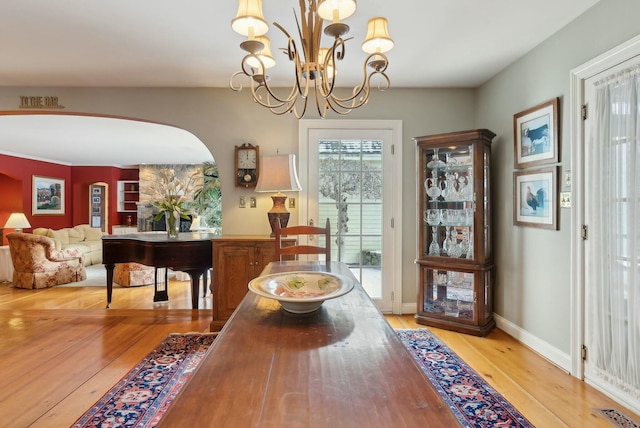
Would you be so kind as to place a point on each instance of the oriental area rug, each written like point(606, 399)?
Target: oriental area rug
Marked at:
point(141, 398)
point(472, 400)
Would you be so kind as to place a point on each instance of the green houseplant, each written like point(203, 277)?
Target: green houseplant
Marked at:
point(207, 197)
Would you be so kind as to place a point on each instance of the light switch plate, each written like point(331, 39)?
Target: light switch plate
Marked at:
point(243, 202)
point(565, 199)
point(252, 202)
point(292, 202)
point(567, 178)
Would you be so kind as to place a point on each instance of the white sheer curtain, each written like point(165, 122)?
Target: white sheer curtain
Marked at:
point(613, 249)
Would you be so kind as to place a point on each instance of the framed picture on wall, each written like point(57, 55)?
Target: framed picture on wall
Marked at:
point(536, 135)
point(47, 195)
point(535, 198)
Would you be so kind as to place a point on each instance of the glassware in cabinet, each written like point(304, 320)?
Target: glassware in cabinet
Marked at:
point(454, 222)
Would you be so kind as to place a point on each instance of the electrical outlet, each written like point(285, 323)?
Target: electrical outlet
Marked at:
point(243, 202)
point(567, 178)
point(292, 202)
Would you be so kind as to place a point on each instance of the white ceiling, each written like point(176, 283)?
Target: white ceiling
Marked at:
point(98, 141)
point(168, 43)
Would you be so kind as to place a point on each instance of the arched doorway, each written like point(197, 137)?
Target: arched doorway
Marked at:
point(86, 141)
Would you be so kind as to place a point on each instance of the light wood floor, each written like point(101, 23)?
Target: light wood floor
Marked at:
point(61, 351)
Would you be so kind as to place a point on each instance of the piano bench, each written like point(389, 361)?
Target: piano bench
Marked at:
point(133, 274)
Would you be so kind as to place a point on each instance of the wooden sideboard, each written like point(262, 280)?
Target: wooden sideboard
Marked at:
point(237, 259)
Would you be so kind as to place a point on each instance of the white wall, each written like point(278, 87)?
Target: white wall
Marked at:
point(222, 119)
point(533, 265)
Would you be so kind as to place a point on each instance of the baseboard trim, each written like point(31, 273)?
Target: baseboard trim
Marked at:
point(408, 308)
point(551, 353)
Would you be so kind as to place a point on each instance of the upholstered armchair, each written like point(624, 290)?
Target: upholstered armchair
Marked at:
point(37, 263)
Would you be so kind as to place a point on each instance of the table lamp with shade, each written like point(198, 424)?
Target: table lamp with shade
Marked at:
point(17, 221)
point(278, 174)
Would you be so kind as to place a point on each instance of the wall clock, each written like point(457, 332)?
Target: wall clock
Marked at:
point(247, 163)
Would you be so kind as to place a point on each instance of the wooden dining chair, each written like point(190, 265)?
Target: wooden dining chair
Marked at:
point(303, 248)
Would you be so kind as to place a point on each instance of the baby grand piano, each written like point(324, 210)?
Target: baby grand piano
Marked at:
point(191, 253)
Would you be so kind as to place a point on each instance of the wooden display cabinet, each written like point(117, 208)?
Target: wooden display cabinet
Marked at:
point(236, 261)
point(455, 256)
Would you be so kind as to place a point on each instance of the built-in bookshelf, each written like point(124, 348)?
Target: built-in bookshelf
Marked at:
point(128, 195)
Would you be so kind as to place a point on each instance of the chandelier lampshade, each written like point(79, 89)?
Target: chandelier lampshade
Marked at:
point(249, 20)
point(336, 10)
point(315, 65)
point(377, 40)
point(264, 56)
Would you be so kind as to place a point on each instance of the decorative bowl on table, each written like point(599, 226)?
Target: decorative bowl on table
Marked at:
point(301, 292)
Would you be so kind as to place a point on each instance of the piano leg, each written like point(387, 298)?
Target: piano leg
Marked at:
point(205, 277)
point(161, 294)
point(195, 287)
point(109, 268)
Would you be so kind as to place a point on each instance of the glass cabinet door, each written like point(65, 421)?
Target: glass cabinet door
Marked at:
point(449, 204)
point(449, 293)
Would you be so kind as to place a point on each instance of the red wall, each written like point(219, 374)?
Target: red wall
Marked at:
point(83, 176)
point(10, 200)
point(15, 190)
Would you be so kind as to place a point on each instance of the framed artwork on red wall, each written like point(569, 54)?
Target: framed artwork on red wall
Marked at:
point(47, 195)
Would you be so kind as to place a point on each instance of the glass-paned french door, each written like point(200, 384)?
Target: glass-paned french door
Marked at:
point(348, 177)
point(350, 195)
point(612, 214)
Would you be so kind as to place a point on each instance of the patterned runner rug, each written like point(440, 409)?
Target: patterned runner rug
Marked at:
point(143, 395)
point(471, 399)
point(141, 398)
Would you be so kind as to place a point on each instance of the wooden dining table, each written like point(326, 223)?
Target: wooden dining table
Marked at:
point(340, 366)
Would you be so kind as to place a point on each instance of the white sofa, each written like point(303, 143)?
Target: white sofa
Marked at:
point(87, 239)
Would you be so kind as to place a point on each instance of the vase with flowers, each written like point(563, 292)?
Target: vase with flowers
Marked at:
point(174, 200)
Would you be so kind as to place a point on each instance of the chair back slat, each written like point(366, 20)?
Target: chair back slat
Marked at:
point(298, 249)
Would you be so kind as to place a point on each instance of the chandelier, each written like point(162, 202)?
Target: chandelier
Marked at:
point(314, 66)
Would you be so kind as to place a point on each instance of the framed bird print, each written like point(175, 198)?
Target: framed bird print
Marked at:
point(535, 133)
point(535, 198)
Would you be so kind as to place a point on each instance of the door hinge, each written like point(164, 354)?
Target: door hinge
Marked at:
point(585, 232)
point(584, 353)
point(584, 112)
point(393, 149)
point(392, 296)
point(393, 222)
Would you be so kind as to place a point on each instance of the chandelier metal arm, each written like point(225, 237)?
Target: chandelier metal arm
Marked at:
point(366, 81)
point(281, 105)
point(276, 108)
